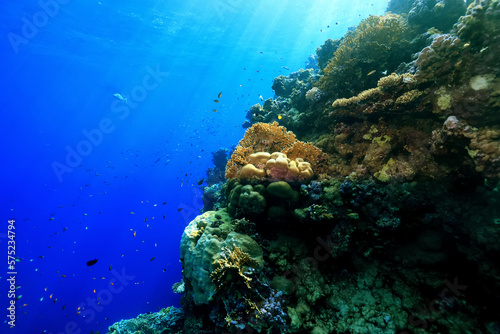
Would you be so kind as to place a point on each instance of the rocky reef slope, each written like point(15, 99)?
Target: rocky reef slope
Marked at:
point(364, 197)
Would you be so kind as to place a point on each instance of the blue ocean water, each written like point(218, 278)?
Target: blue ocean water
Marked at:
point(86, 176)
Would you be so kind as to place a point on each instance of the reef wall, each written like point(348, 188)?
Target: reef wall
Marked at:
point(364, 196)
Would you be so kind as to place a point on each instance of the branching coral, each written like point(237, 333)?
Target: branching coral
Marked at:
point(378, 44)
point(232, 268)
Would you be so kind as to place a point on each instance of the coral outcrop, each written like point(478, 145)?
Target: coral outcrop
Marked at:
point(378, 44)
point(384, 217)
point(263, 153)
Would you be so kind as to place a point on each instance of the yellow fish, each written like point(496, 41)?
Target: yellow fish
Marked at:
point(371, 72)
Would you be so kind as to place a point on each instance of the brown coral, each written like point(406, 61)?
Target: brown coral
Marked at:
point(438, 60)
point(271, 138)
point(485, 150)
point(377, 44)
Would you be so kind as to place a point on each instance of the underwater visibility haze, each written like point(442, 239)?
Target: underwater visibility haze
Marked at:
point(230, 166)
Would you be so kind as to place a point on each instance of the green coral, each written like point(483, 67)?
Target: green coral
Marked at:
point(169, 320)
point(282, 191)
point(246, 200)
point(201, 247)
point(250, 201)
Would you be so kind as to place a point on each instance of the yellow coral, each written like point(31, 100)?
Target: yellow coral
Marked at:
point(369, 94)
point(389, 82)
point(409, 97)
point(231, 265)
point(342, 102)
point(259, 167)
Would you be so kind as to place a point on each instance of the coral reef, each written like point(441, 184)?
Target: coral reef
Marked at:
point(378, 44)
point(169, 320)
point(262, 139)
point(277, 166)
point(481, 24)
point(395, 227)
point(326, 52)
point(438, 14)
point(202, 245)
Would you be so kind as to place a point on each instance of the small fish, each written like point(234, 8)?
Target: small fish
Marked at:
point(200, 181)
point(280, 117)
point(51, 218)
point(216, 101)
point(220, 94)
point(154, 257)
point(214, 110)
point(180, 209)
point(261, 98)
point(371, 72)
point(135, 233)
point(109, 267)
point(120, 98)
point(92, 262)
point(284, 67)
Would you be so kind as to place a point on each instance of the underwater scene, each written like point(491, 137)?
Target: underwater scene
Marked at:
point(268, 166)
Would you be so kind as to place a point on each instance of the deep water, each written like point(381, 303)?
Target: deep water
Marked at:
point(86, 176)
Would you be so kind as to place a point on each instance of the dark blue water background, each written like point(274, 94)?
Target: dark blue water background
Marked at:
point(58, 76)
